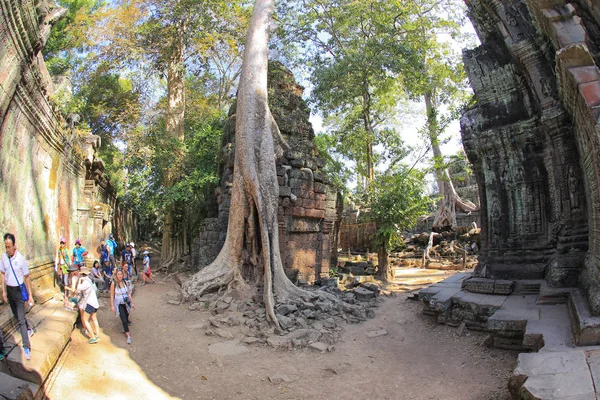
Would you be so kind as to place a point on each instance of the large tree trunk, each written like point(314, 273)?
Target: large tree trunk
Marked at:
point(383, 267)
point(450, 201)
point(250, 256)
point(251, 249)
point(171, 245)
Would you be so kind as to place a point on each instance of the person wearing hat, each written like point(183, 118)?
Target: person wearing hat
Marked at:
point(71, 287)
point(78, 253)
point(89, 304)
point(62, 262)
point(147, 271)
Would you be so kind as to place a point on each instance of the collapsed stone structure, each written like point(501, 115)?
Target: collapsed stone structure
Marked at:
point(51, 185)
point(309, 208)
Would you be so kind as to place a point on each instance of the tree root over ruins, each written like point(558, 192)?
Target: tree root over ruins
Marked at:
point(250, 258)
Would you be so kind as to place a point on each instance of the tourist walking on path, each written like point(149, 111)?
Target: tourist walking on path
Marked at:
point(62, 262)
point(112, 247)
point(147, 271)
point(78, 253)
point(14, 272)
point(134, 255)
point(96, 275)
point(121, 302)
point(89, 304)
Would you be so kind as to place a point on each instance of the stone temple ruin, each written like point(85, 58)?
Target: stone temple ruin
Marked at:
point(533, 138)
point(309, 208)
point(51, 183)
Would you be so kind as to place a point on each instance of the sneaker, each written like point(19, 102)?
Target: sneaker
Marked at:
point(4, 352)
point(97, 338)
point(27, 353)
point(143, 283)
point(128, 323)
point(30, 332)
point(128, 339)
point(93, 340)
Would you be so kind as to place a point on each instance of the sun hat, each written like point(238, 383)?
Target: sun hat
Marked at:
point(84, 271)
point(78, 241)
point(63, 240)
point(146, 252)
point(128, 245)
point(132, 244)
point(73, 268)
point(111, 236)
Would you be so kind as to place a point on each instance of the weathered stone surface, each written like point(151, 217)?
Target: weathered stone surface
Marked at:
point(530, 139)
point(363, 294)
point(16, 389)
point(319, 346)
point(53, 184)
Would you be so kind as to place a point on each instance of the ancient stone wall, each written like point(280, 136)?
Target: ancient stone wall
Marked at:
point(308, 212)
point(50, 183)
point(533, 138)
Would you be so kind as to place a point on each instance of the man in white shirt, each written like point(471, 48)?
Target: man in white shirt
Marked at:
point(14, 272)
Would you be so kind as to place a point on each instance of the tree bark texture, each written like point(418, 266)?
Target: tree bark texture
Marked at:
point(450, 201)
point(171, 241)
point(251, 249)
point(250, 257)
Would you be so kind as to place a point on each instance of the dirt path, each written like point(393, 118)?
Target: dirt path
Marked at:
point(417, 359)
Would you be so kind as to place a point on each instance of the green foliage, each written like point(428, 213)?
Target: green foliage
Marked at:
point(397, 199)
point(335, 168)
point(71, 35)
point(110, 103)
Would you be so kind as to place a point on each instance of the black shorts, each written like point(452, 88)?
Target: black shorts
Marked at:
point(90, 309)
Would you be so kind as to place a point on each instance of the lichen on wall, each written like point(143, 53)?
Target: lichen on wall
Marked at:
point(43, 163)
point(532, 138)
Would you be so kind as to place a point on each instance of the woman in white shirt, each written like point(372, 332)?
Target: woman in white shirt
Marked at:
point(89, 304)
point(121, 301)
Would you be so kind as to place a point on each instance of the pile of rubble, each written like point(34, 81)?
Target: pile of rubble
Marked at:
point(314, 323)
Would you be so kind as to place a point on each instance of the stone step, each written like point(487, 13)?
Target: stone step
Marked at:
point(550, 295)
point(12, 388)
point(53, 326)
point(553, 375)
point(585, 326)
point(528, 286)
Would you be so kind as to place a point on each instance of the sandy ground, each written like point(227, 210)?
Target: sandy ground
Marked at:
point(169, 357)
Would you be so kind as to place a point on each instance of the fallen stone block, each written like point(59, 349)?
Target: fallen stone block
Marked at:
point(319, 346)
point(363, 294)
point(377, 333)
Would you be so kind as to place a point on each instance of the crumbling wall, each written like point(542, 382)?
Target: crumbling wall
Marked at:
point(533, 139)
point(308, 209)
point(44, 162)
